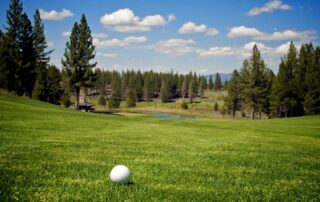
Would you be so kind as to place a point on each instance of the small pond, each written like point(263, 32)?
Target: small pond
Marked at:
point(171, 116)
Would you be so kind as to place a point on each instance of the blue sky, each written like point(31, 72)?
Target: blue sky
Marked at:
point(204, 36)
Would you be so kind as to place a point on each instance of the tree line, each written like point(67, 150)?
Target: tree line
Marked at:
point(294, 91)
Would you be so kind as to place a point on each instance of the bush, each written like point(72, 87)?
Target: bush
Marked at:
point(114, 102)
point(102, 101)
point(131, 98)
point(184, 105)
point(66, 100)
point(216, 107)
point(223, 111)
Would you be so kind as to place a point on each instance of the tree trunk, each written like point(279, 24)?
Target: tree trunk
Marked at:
point(76, 104)
point(260, 112)
point(242, 108)
point(234, 110)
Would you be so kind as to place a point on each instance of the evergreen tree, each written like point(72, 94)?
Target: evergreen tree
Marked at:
point(164, 91)
point(210, 83)
point(147, 88)
point(184, 88)
point(115, 98)
point(191, 91)
point(234, 92)
point(131, 98)
point(201, 87)
point(312, 98)
point(78, 53)
point(217, 82)
point(216, 107)
point(53, 84)
point(286, 92)
point(255, 90)
point(42, 58)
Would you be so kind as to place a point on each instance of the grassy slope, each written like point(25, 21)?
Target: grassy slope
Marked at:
point(51, 153)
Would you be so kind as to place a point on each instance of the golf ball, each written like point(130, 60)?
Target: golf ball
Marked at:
point(120, 174)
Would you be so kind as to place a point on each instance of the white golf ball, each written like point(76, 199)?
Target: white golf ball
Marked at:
point(120, 174)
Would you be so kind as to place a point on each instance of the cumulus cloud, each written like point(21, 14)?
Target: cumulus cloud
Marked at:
point(119, 43)
point(174, 46)
point(269, 7)
point(55, 15)
point(171, 17)
point(107, 55)
point(124, 20)
point(191, 27)
point(66, 33)
point(216, 51)
point(99, 35)
point(243, 31)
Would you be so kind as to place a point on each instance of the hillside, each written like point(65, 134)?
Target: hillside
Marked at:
point(52, 153)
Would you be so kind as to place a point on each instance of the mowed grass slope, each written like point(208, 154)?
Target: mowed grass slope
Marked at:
point(51, 153)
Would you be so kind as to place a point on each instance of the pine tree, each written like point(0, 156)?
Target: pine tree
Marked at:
point(115, 98)
point(42, 58)
point(147, 88)
point(78, 53)
point(216, 107)
point(53, 84)
point(184, 88)
point(164, 91)
point(210, 83)
point(10, 54)
point(191, 91)
point(201, 88)
point(312, 98)
point(130, 98)
point(217, 82)
point(234, 92)
point(286, 92)
point(255, 90)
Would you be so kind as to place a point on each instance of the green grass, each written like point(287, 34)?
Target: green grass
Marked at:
point(48, 153)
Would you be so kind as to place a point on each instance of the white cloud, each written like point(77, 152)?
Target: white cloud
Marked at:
point(216, 51)
point(124, 20)
point(55, 15)
point(119, 43)
point(66, 33)
point(107, 55)
point(191, 27)
point(99, 35)
point(243, 31)
point(212, 32)
point(50, 44)
point(174, 46)
point(283, 48)
point(134, 39)
point(287, 35)
point(269, 7)
point(171, 17)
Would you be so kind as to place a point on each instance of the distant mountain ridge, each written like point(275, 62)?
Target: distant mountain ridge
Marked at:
point(224, 76)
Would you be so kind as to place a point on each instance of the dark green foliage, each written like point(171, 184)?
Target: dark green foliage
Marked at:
point(114, 101)
point(234, 93)
point(217, 82)
point(78, 53)
point(216, 107)
point(164, 91)
point(102, 101)
point(184, 88)
point(223, 110)
point(147, 88)
point(210, 83)
point(201, 87)
point(131, 98)
point(66, 100)
point(191, 93)
point(312, 98)
point(53, 84)
point(184, 105)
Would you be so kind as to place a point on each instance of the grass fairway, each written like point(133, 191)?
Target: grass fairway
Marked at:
point(55, 154)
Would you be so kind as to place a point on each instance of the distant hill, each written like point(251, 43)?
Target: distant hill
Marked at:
point(224, 76)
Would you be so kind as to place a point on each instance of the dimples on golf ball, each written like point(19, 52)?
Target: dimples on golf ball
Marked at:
point(120, 174)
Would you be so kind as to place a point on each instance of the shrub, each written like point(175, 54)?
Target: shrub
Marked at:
point(216, 107)
point(66, 100)
point(184, 105)
point(102, 101)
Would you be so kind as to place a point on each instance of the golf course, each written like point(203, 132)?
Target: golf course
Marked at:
point(50, 153)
